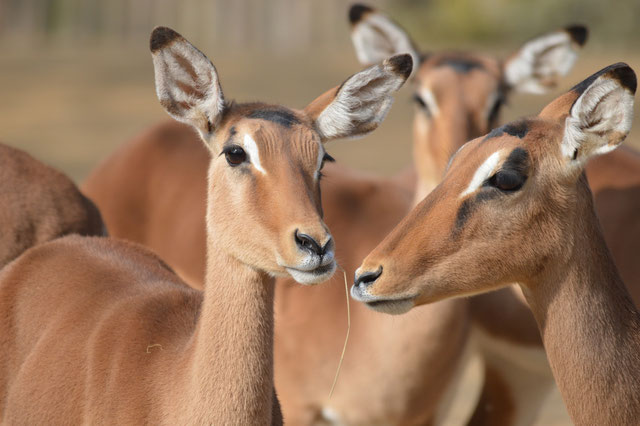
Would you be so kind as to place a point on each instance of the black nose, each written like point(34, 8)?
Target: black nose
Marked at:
point(306, 242)
point(367, 278)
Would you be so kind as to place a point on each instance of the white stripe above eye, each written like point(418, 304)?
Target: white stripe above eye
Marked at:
point(251, 148)
point(319, 165)
point(483, 173)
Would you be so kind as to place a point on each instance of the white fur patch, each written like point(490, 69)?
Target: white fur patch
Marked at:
point(483, 172)
point(610, 107)
point(430, 100)
point(359, 106)
point(252, 149)
point(540, 59)
point(319, 164)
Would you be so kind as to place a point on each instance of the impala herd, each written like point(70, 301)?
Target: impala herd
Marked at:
point(521, 245)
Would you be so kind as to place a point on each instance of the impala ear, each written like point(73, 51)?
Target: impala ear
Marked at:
point(376, 37)
point(600, 117)
point(359, 105)
point(186, 82)
point(539, 64)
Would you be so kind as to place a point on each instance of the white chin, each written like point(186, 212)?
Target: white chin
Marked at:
point(313, 277)
point(391, 307)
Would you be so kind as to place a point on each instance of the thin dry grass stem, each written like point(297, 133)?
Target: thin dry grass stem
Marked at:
point(346, 339)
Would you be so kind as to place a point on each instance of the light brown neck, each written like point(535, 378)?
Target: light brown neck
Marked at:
point(433, 144)
point(231, 355)
point(591, 331)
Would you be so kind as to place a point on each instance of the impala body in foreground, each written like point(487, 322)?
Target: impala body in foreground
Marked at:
point(515, 206)
point(96, 328)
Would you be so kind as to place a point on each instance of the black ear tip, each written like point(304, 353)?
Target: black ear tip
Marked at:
point(578, 33)
point(162, 36)
point(626, 76)
point(357, 11)
point(401, 64)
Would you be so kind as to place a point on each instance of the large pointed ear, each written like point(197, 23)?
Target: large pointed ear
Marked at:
point(359, 105)
point(186, 82)
point(376, 37)
point(597, 113)
point(539, 64)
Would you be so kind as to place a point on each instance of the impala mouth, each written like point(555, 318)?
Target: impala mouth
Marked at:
point(385, 305)
point(393, 306)
point(314, 276)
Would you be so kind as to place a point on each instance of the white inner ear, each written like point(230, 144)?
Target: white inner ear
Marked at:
point(187, 85)
point(543, 58)
point(605, 107)
point(361, 103)
point(483, 172)
point(251, 148)
point(377, 37)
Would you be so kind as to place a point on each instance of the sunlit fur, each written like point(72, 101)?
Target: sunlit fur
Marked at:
point(99, 328)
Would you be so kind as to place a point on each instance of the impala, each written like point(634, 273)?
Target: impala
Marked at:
point(459, 96)
point(96, 328)
point(161, 204)
point(515, 206)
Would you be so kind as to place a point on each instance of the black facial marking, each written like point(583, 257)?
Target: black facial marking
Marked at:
point(514, 169)
point(461, 65)
point(279, 116)
point(517, 161)
point(519, 129)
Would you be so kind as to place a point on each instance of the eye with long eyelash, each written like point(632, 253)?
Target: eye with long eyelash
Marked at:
point(325, 158)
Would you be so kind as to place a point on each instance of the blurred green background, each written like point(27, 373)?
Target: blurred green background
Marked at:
point(76, 77)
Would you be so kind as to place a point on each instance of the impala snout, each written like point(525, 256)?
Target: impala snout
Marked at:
point(314, 256)
point(363, 290)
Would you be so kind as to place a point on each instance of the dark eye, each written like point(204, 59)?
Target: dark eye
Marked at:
point(235, 155)
point(422, 104)
point(507, 180)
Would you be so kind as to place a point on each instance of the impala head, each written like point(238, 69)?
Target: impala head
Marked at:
point(459, 95)
point(266, 160)
point(510, 205)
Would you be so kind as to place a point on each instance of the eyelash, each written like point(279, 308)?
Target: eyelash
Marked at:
point(326, 158)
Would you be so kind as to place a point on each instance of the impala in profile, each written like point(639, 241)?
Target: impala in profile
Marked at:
point(515, 206)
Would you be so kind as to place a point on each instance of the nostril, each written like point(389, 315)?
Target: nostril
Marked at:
point(368, 278)
point(306, 242)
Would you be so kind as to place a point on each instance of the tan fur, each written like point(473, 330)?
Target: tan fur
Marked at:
point(589, 325)
point(463, 100)
point(97, 329)
point(39, 204)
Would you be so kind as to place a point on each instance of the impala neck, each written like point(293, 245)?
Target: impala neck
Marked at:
point(232, 358)
point(590, 329)
point(434, 142)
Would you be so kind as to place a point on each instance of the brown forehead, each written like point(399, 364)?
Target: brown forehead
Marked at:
point(274, 128)
point(534, 134)
point(462, 63)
